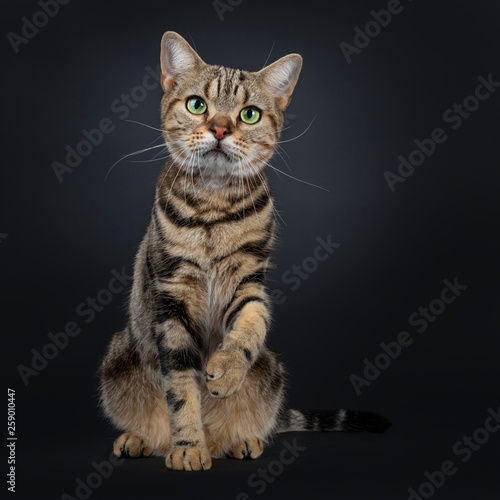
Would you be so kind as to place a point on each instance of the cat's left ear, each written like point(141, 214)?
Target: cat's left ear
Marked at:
point(280, 78)
point(177, 59)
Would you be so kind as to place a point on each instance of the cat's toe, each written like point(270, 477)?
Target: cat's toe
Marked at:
point(250, 448)
point(130, 445)
point(190, 458)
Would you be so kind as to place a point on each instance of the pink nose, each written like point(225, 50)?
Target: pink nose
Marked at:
point(219, 131)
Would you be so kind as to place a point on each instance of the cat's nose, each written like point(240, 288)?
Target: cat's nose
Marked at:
point(220, 131)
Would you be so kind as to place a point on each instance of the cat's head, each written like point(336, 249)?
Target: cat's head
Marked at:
point(224, 121)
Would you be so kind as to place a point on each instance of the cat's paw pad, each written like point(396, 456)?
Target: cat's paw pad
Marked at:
point(225, 373)
point(130, 445)
point(189, 458)
point(250, 448)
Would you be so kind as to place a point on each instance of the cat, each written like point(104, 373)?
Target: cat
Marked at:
point(191, 377)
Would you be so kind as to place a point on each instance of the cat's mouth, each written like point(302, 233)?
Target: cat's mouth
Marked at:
point(218, 152)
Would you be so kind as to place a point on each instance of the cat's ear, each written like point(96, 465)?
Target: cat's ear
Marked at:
point(280, 78)
point(177, 59)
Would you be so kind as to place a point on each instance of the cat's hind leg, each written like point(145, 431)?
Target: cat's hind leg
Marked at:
point(238, 426)
point(133, 398)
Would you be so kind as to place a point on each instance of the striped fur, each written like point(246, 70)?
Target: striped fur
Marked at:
point(332, 420)
point(191, 377)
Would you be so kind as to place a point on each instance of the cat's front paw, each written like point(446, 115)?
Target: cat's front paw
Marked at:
point(189, 458)
point(225, 373)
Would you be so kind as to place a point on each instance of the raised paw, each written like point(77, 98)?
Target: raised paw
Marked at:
point(189, 458)
point(250, 448)
point(225, 373)
point(130, 445)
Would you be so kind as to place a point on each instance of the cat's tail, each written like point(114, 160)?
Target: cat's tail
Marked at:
point(332, 420)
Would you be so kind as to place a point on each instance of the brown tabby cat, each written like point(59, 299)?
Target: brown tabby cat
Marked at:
point(191, 376)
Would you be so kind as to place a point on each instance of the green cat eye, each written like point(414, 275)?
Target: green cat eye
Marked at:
point(250, 115)
point(196, 105)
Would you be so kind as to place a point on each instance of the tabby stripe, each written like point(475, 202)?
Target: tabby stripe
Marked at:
point(254, 182)
point(256, 277)
point(169, 265)
point(157, 223)
point(255, 207)
point(257, 248)
point(207, 86)
point(275, 124)
point(229, 81)
point(173, 402)
point(185, 443)
point(149, 268)
point(247, 354)
point(168, 307)
point(170, 104)
point(177, 359)
point(186, 198)
point(239, 307)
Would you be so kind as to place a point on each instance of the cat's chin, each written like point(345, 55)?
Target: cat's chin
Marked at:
point(217, 164)
point(217, 156)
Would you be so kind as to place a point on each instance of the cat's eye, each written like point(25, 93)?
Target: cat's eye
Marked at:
point(196, 105)
point(250, 115)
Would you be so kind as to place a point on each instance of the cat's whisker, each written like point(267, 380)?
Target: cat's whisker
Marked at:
point(297, 179)
point(173, 182)
point(193, 184)
point(282, 158)
point(132, 154)
point(200, 170)
point(282, 150)
point(276, 213)
point(300, 135)
point(268, 56)
point(149, 161)
point(254, 139)
point(175, 158)
point(201, 175)
point(286, 163)
point(145, 125)
point(194, 45)
point(251, 197)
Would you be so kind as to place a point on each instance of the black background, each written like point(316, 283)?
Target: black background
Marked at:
point(65, 238)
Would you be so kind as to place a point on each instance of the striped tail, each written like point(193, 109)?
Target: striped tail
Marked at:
point(332, 420)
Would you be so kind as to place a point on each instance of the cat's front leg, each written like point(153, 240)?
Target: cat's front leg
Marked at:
point(228, 367)
point(181, 365)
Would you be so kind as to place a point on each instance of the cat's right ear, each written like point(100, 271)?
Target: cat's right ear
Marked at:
point(177, 59)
